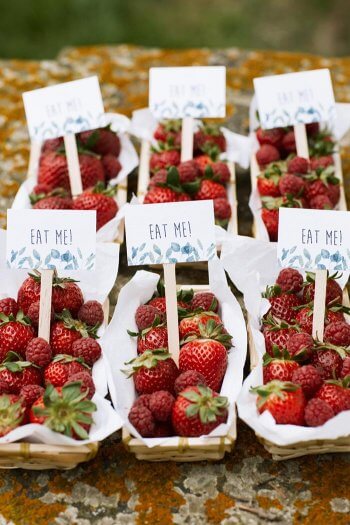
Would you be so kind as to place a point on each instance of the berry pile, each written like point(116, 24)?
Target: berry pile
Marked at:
point(184, 400)
point(204, 177)
point(98, 159)
point(48, 383)
point(306, 381)
point(289, 181)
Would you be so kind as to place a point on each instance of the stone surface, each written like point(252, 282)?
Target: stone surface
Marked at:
point(247, 487)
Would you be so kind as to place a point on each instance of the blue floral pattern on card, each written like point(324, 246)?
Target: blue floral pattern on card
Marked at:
point(304, 114)
point(55, 259)
point(174, 253)
point(191, 108)
point(323, 260)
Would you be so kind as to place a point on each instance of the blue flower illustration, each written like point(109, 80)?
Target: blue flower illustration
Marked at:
point(336, 257)
point(325, 254)
point(187, 249)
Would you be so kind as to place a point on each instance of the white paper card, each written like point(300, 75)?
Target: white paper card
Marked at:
point(51, 239)
point(57, 110)
point(178, 92)
point(170, 233)
point(303, 97)
point(314, 239)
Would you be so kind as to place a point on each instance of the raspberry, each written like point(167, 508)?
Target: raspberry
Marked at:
point(143, 400)
point(288, 142)
point(267, 154)
point(321, 162)
point(334, 193)
point(34, 311)
point(146, 315)
point(4, 388)
point(87, 383)
point(31, 393)
point(290, 280)
point(142, 419)
point(39, 352)
point(188, 171)
point(111, 166)
point(189, 378)
point(91, 313)
point(222, 208)
point(334, 292)
point(328, 363)
point(298, 165)
point(158, 178)
point(205, 301)
point(163, 429)
point(321, 202)
point(221, 172)
point(312, 129)
point(8, 306)
point(270, 136)
point(317, 412)
point(161, 404)
point(337, 333)
point(345, 371)
point(309, 378)
point(290, 184)
point(87, 348)
point(315, 188)
point(300, 344)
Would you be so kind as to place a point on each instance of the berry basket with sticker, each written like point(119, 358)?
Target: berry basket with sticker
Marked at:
point(53, 411)
point(297, 396)
point(169, 412)
point(281, 178)
point(106, 158)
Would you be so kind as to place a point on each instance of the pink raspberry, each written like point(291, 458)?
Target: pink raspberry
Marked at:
point(345, 371)
point(298, 165)
point(161, 404)
point(31, 393)
point(189, 378)
point(142, 419)
point(317, 412)
point(146, 315)
point(87, 383)
point(290, 280)
point(337, 333)
point(300, 344)
point(309, 378)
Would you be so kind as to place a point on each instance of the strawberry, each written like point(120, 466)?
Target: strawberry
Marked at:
point(203, 161)
point(189, 378)
point(142, 419)
point(151, 338)
point(272, 137)
point(12, 412)
point(218, 172)
point(91, 313)
point(111, 166)
point(18, 373)
point(15, 334)
point(300, 345)
point(161, 405)
point(52, 144)
point(280, 367)
point(159, 195)
point(288, 142)
point(270, 219)
point(284, 400)
point(184, 298)
point(190, 324)
point(336, 394)
point(65, 410)
point(102, 141)
point(188, 171)
point(8, 306)
point(304, 318)
point(277, 333)
point(222, 211)
point(153, 371)
point(321, 162)
point(327, 360)
point(197, 411)
point(290, 280)
point(290, 184)
point(209, 135)
point(65, 331)
point(158, 179)
point(267, 154)
point(34, 313)
point(315, 188)
point(168, 130)
point(146, 315)
point(333, 193)
point(99, 199)
point(345, 371)
point(88, 349)
point(283, 305)
point(62, 368)
point(205, 301)
point(85, 381)
point(164, 159)
point(309, 378)
point(38, 352)
point(56, 199)
point(210, 190)
point(268, 184)
point(183, 197)
point(206, 356)
point(317, 413)
point(321, 202)
point(334, 292)
point(298, 165)
point(337, 333)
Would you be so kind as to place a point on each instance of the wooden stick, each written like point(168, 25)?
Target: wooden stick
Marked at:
point(70, 145)
point(319, 304)
point(144, 168)
point(187, 139)
point(34, 155)
point(171, 311)
point(301, 140)
point(45, 304)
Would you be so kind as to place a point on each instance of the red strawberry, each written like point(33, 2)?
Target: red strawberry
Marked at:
point(300, 345)
point(189, 378)
point(88, 349)
point(203, 161)
point(183, 197)
point(315, 188)
point(52, 144)
point(158, 178)
point(268, 185)
point(99, 199)
point(15, 334)
point(153, 371)
point(168, 129)
point(205, 301)
point(12, 412)
point(38, 352)
point(146, 315)
point(142, 419)
point(317, 413)
point(102, 141)
point(4, 388)
point(267, 154)
point(19, 373)
point(91, 313)
point(334, 292)
point(8, 306)
point(334, 316)
point(280, 367)
point(285, 402)
point(309, 378)
point(298, 165)
point(62, 368)
point(164, 159)
point(283, 305)
point(210, 190)
point(327, 361)
point(30, 393)
point(158, 195)
point(321, 202)
point(184, 298)
point(209, 135)
point(270, 219)
point(288, 142)
point(222, 211)
point(321, 162)
point(188, 171)
point(152, 338)
point(337, 333)
point(161, 404)
point(304, 318)
point(66, 410)
point(290, 280)
point(290, 184)
point(190, 325)
point(87, 384)
point(219, 172)
point(111, 166)
point(276, 333)
point(336, 395)
point(65, 331)
point(333, 193)
point(54, 203)
point(272, 137)
point(206, 356)
point(345, 371)
point(197, 411)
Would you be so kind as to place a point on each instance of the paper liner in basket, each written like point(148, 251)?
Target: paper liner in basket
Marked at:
point(252, 265)
point(94, 285)
point(239, 147)
point(119, 347)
